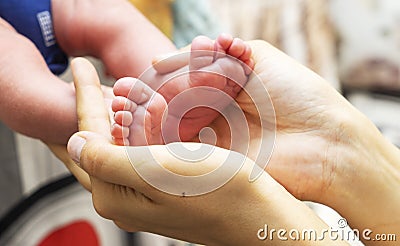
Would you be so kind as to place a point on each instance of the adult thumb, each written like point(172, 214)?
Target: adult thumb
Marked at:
point(101, 159)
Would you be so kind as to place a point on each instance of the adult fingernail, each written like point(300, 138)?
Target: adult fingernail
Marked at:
point(75, 145)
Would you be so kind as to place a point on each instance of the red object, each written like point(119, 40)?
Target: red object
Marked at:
point(77, 233)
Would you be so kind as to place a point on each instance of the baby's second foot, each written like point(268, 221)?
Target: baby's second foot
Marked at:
point(217, 72)
point(138, 113)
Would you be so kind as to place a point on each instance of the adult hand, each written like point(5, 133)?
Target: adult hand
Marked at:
point(119, 193)
point(325, 150)
point(37, 103)
point(310, 118)
point(33, 101)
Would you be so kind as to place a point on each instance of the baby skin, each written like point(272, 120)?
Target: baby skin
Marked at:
point(187, 101)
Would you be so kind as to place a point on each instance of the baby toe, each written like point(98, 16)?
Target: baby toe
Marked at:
point(246, 54)
point(118, 131)
point(225, 41)
point(202, 43)
point(237, 48)
point(123, 118)
point(122, 103)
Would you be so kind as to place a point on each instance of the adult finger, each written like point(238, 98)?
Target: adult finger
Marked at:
point(168, 63)
point(145, 167)
point(111, 172)
point(117, 190)
point(102, 160)
point(60, 151)
point(92, 113)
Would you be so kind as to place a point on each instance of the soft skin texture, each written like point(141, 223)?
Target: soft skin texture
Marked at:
point(139, 110)
point(38, 104)
point(118, 34)
point(32, 100)
point(239, 207)
point(326, 151)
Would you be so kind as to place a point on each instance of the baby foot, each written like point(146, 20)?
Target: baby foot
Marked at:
point(217, 72)
point(138, 113)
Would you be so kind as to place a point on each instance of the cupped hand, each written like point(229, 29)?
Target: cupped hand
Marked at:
point(325, 150)
point(120, 194)
point(312, 122)
point(285, 102)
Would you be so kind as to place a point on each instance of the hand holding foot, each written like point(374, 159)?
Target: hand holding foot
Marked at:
point(217, 72)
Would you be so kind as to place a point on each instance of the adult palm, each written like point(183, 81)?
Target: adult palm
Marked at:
point(311, 123)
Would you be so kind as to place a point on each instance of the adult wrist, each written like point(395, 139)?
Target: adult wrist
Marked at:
point(366, 183)
point(271, 215)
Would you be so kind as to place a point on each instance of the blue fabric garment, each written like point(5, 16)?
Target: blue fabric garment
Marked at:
point(32, 18)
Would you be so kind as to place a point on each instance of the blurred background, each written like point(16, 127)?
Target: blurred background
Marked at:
point(354, 44)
